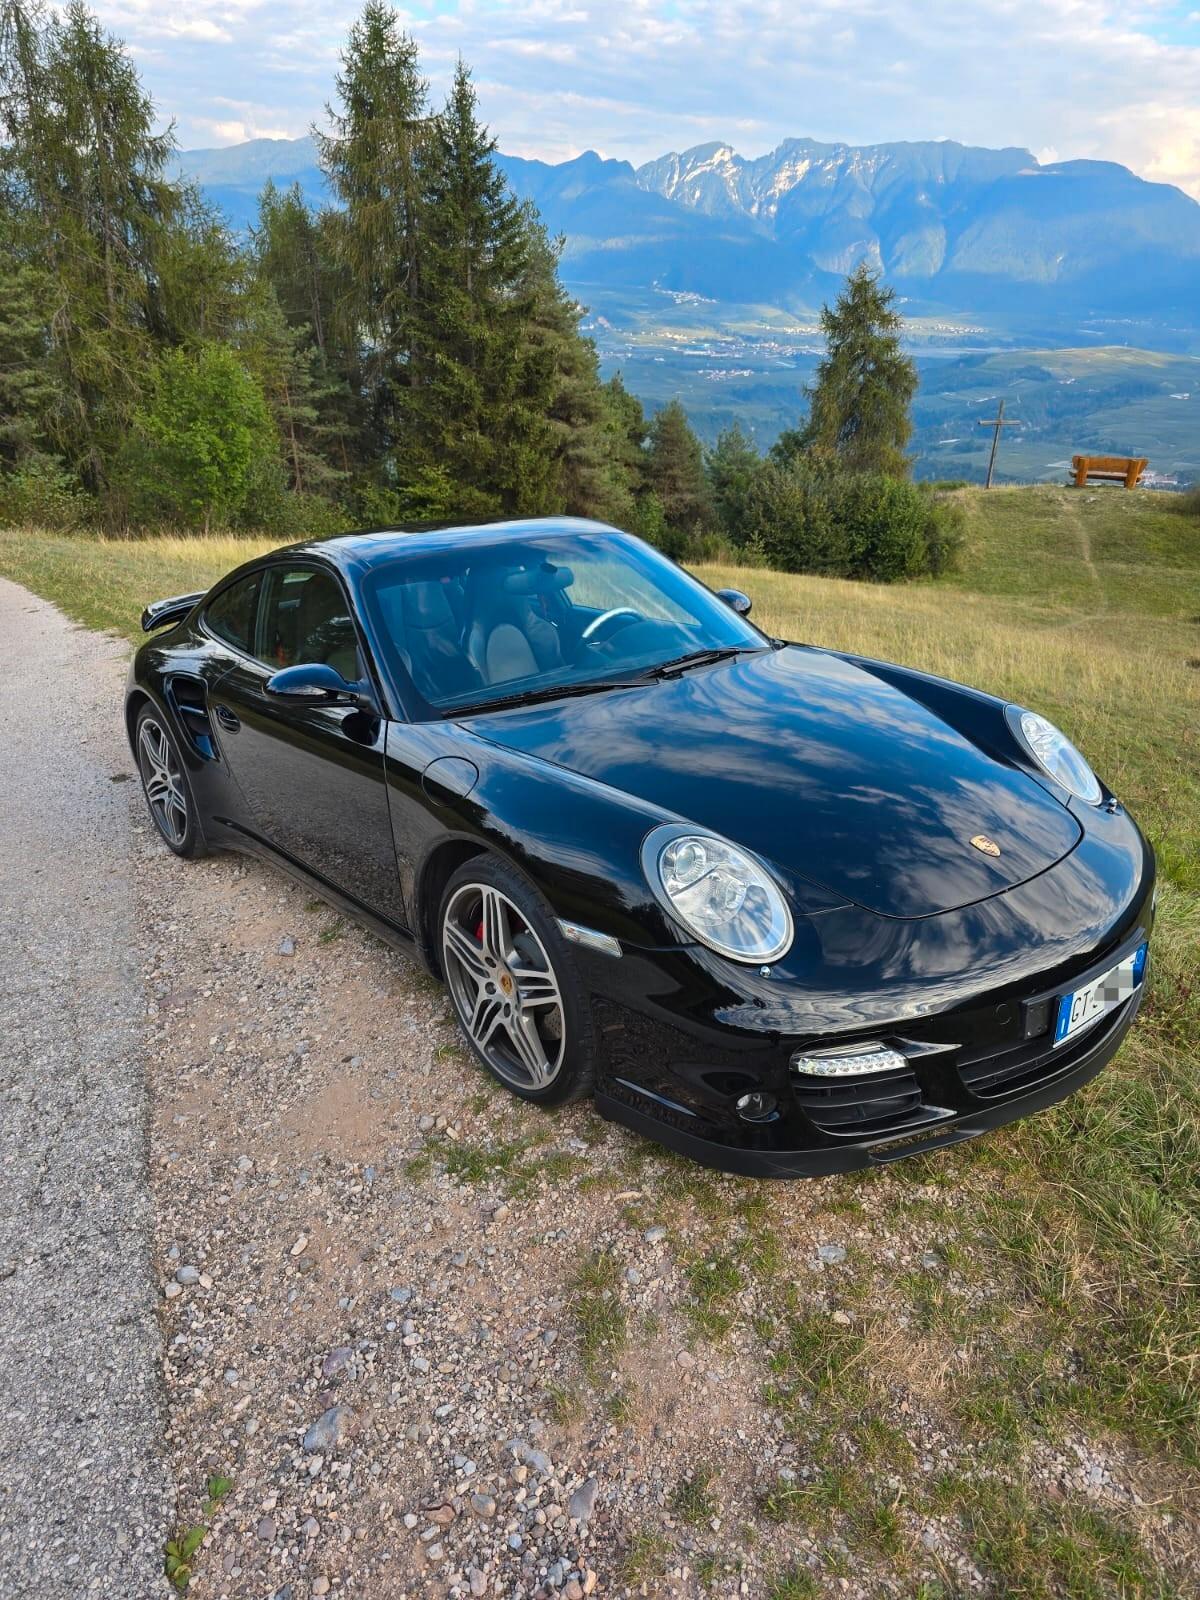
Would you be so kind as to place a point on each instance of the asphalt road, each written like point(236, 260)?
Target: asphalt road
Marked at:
point(85, 1500)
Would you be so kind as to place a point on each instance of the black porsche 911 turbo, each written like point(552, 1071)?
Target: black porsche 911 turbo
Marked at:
point(788, 910)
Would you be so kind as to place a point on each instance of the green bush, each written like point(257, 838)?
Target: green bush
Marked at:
point(883, 521)
point(786, 520)
point(429, 495)
point(271, 507)
point(1189, 501)
point(199, 439)
point(650, 523)
point(945, 529)
point(41, 494)
point(812, 517)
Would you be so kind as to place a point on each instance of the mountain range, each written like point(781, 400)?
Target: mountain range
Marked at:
point(950, 225)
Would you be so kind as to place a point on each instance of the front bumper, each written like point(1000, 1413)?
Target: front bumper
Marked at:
point(1033, 1078)
point(966, 996)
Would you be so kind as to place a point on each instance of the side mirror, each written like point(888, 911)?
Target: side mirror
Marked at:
point(315, 678)
point(736, 601)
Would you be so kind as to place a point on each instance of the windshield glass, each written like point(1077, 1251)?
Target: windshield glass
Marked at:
point(466, 628)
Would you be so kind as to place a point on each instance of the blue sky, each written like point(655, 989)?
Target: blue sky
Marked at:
point(634, 78)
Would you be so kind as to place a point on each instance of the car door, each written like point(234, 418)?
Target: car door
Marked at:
point(312, 771)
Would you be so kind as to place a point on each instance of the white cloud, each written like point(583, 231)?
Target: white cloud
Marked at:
point(1084, 78)
point(236, 131)
point(541, 49)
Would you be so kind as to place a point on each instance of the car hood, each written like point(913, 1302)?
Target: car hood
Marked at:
point(817, 765)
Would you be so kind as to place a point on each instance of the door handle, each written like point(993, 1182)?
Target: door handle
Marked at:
point(227, 718)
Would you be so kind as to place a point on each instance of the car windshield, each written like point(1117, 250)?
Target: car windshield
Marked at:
point(557, 614)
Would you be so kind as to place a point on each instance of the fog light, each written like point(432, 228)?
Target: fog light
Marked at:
point(757, 1107)
point(848, 1061)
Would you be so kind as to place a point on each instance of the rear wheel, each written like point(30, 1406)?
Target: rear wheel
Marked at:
point(166, 787)
point(513, 984)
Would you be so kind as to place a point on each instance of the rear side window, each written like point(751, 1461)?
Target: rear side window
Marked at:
point(231, 615)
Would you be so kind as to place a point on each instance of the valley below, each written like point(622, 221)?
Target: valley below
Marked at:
point(1070, 387)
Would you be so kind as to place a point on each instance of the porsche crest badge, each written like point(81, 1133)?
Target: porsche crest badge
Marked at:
point(988, 846)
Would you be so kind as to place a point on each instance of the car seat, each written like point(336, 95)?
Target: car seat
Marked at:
point(511, 633)
point(430, 642)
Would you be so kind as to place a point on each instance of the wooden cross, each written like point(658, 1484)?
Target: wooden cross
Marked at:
point(997, 422)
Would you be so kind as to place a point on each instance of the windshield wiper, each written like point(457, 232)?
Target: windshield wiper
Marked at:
point(565, 691)
point(699, 658)
point(532, 697)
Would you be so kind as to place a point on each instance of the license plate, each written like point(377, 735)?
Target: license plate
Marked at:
point(1079, 1010)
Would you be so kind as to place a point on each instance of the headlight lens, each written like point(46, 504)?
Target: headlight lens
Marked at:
point(719, 893)
point(1055, 754)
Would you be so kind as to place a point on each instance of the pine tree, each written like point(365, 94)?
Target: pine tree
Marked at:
point(198, 275)
point(29, 391)
point(479, 402)
point(675, 473)
point(26, 117)
point(286, 368)
point(733, 464)
point(864, 385)
point(370, 160)
point(292, 254)
point(625, 429)
point(83, 180)
point(589, 478)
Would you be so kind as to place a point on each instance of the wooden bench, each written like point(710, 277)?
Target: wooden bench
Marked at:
point(1109, 469)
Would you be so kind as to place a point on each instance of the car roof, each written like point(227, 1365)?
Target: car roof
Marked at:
point(358, 552)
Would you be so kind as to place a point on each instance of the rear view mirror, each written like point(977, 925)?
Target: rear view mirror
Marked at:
point(736, 601)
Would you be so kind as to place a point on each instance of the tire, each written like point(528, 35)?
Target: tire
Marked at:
point(532, 1028)
point(165, 785)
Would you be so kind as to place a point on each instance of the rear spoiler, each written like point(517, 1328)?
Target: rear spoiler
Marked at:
point(161, 613)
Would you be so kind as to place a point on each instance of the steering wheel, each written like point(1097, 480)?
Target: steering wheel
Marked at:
point(607, 616)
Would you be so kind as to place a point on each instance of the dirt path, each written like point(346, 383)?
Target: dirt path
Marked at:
point(1072, 505)
point(84, 1495)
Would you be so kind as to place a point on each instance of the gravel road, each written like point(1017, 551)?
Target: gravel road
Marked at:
point(85, 1498)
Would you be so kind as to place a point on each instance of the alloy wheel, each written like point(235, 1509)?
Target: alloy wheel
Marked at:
point(504, 987)
point(163, 783)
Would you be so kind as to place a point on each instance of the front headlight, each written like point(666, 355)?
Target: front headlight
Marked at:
point(1056, 755)
point(720, 894)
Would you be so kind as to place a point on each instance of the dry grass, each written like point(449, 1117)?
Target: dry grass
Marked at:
point(104, 583)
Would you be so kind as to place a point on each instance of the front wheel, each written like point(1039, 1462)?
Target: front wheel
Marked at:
point(166, 787)
point(513, 984)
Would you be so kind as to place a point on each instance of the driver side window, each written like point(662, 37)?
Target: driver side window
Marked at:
point(306, 617)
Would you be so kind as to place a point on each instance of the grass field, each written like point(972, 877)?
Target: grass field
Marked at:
point(1074, 1236)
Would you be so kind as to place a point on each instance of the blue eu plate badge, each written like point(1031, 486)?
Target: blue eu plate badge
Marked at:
point(1078, 1010)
